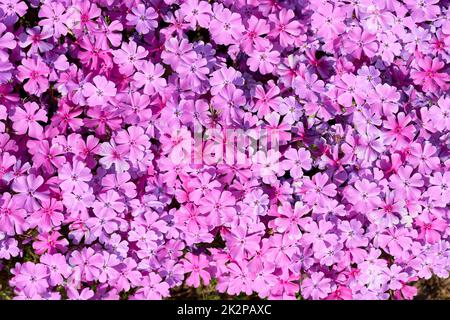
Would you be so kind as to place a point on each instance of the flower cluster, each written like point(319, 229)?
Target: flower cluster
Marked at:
point(103, 195)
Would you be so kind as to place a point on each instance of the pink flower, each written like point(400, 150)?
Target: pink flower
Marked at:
point(128, 275)
point(396, 241)
point(227, 100)
point(57, 267)
point(267, 165)
point(364, 195)
point(99, 92)
point(76, 176)
point(153, 288)
point(318, 189)
point(401, 131)
point(297, 161)
point(196, 265)
point(201, 185)
point(84, 294)
point(149, 77)
point(349, 90)
point(28, 195)
point(121, 183)
point(36, 72)
point(136, 140)
point(389, 47)
point(176, 51)
point(226, 27)
point(424, 157)
point(439, 114)
point(7, 39)
point(389, 210)
point(320, 235)
point(264, 59)
point(87, 14)
point(67, 117)
point(316, 287)
point(430, 227)
point(111, 32)
point(108, 271)
point(224, 78)
point(422, 11)
point(341, 293)
point(196, 13)
point(239, 279)
point(308, 86)
point(286, 30)
point(87, 263)
point(217, 206)
point(50, 242)
point(95, 54)
point(329, 20)
point(78, 200)
point(12, 216)
point(6, 163)
point(48, 216)
point(405, 183)
point(254, 33)
point(385, 97)
point(352, 234)
point(114, 154)
point(193, 72)
point(13, 9)
point(36, 38)
point(429, 75)
point(31, 278)
point(439, 188)
point(289, 221)
point(108, 205)
point(396, 277)
point(241, 242)
point(26, 119)
point(359, 41)
point(102, 119)
point(55, 18)
point(371, 145)
point(129, 57)
point(267, 100)
point(144, 19)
